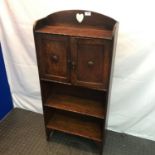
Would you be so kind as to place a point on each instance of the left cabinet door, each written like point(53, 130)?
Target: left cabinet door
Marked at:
point(53, 57)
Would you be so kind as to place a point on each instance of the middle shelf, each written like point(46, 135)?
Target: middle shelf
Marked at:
point(78, 105)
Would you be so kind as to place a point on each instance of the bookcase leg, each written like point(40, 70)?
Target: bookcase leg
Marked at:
point(99, 147)
point(102, 148)
point(48, 134)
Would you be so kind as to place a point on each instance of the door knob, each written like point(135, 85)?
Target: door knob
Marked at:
point(54, 58)
point(90, 63)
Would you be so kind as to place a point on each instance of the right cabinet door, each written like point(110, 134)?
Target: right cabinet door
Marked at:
point(92, 63)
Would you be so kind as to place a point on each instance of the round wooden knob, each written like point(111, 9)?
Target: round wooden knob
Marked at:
point(90, 63)
point(55, 58)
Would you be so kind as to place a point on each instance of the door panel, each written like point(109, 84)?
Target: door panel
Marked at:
point(53, 58)
point(92, 62)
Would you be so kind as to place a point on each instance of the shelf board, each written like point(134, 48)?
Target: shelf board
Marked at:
point(69, 84)
point(76, 126)
point(53, 81)
point(77, 31)
point(77, 105)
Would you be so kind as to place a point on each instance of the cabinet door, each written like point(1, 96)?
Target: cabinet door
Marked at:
point(53, 57)
point(92, 63)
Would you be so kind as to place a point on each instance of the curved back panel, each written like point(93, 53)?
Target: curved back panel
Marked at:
point(68, 18)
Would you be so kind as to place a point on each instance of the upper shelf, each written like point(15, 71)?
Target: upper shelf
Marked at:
point(76, 31)
point(88, 24)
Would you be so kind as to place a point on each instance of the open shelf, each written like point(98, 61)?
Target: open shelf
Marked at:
point(46, 79)
point(77, 31)
point(75, 104)
point(76, 125)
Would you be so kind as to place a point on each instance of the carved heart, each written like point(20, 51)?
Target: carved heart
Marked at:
point(79, 17)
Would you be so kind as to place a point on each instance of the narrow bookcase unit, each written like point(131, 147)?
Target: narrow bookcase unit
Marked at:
point(75, 50)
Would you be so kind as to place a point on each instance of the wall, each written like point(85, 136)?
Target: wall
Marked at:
point(5, 96)
point(132, 108)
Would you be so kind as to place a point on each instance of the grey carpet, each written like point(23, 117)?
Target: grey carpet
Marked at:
point(22, 133)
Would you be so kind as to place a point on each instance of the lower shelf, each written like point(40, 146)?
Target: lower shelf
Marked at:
point(76, 126)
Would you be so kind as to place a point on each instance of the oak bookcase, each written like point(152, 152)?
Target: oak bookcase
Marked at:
point(75, 51)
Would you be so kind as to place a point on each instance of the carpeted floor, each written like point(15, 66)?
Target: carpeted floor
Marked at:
point(22, 133)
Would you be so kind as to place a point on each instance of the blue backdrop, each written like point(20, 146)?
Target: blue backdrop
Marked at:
point(5, 96)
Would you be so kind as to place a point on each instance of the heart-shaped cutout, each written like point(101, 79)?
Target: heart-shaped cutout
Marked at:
point(79, 17)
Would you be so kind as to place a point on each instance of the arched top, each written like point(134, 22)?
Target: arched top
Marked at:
point(76, 19)
point(89, 18)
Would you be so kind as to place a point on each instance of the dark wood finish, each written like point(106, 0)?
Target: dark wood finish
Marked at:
point(77, 105)
point(75, 62)
point(91, 62)
point(96, 20)
point(76, 125)
point(53, 51)
point(77, 32)
point(77, 91)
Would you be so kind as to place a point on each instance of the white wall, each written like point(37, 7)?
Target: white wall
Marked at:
point(132, 107)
